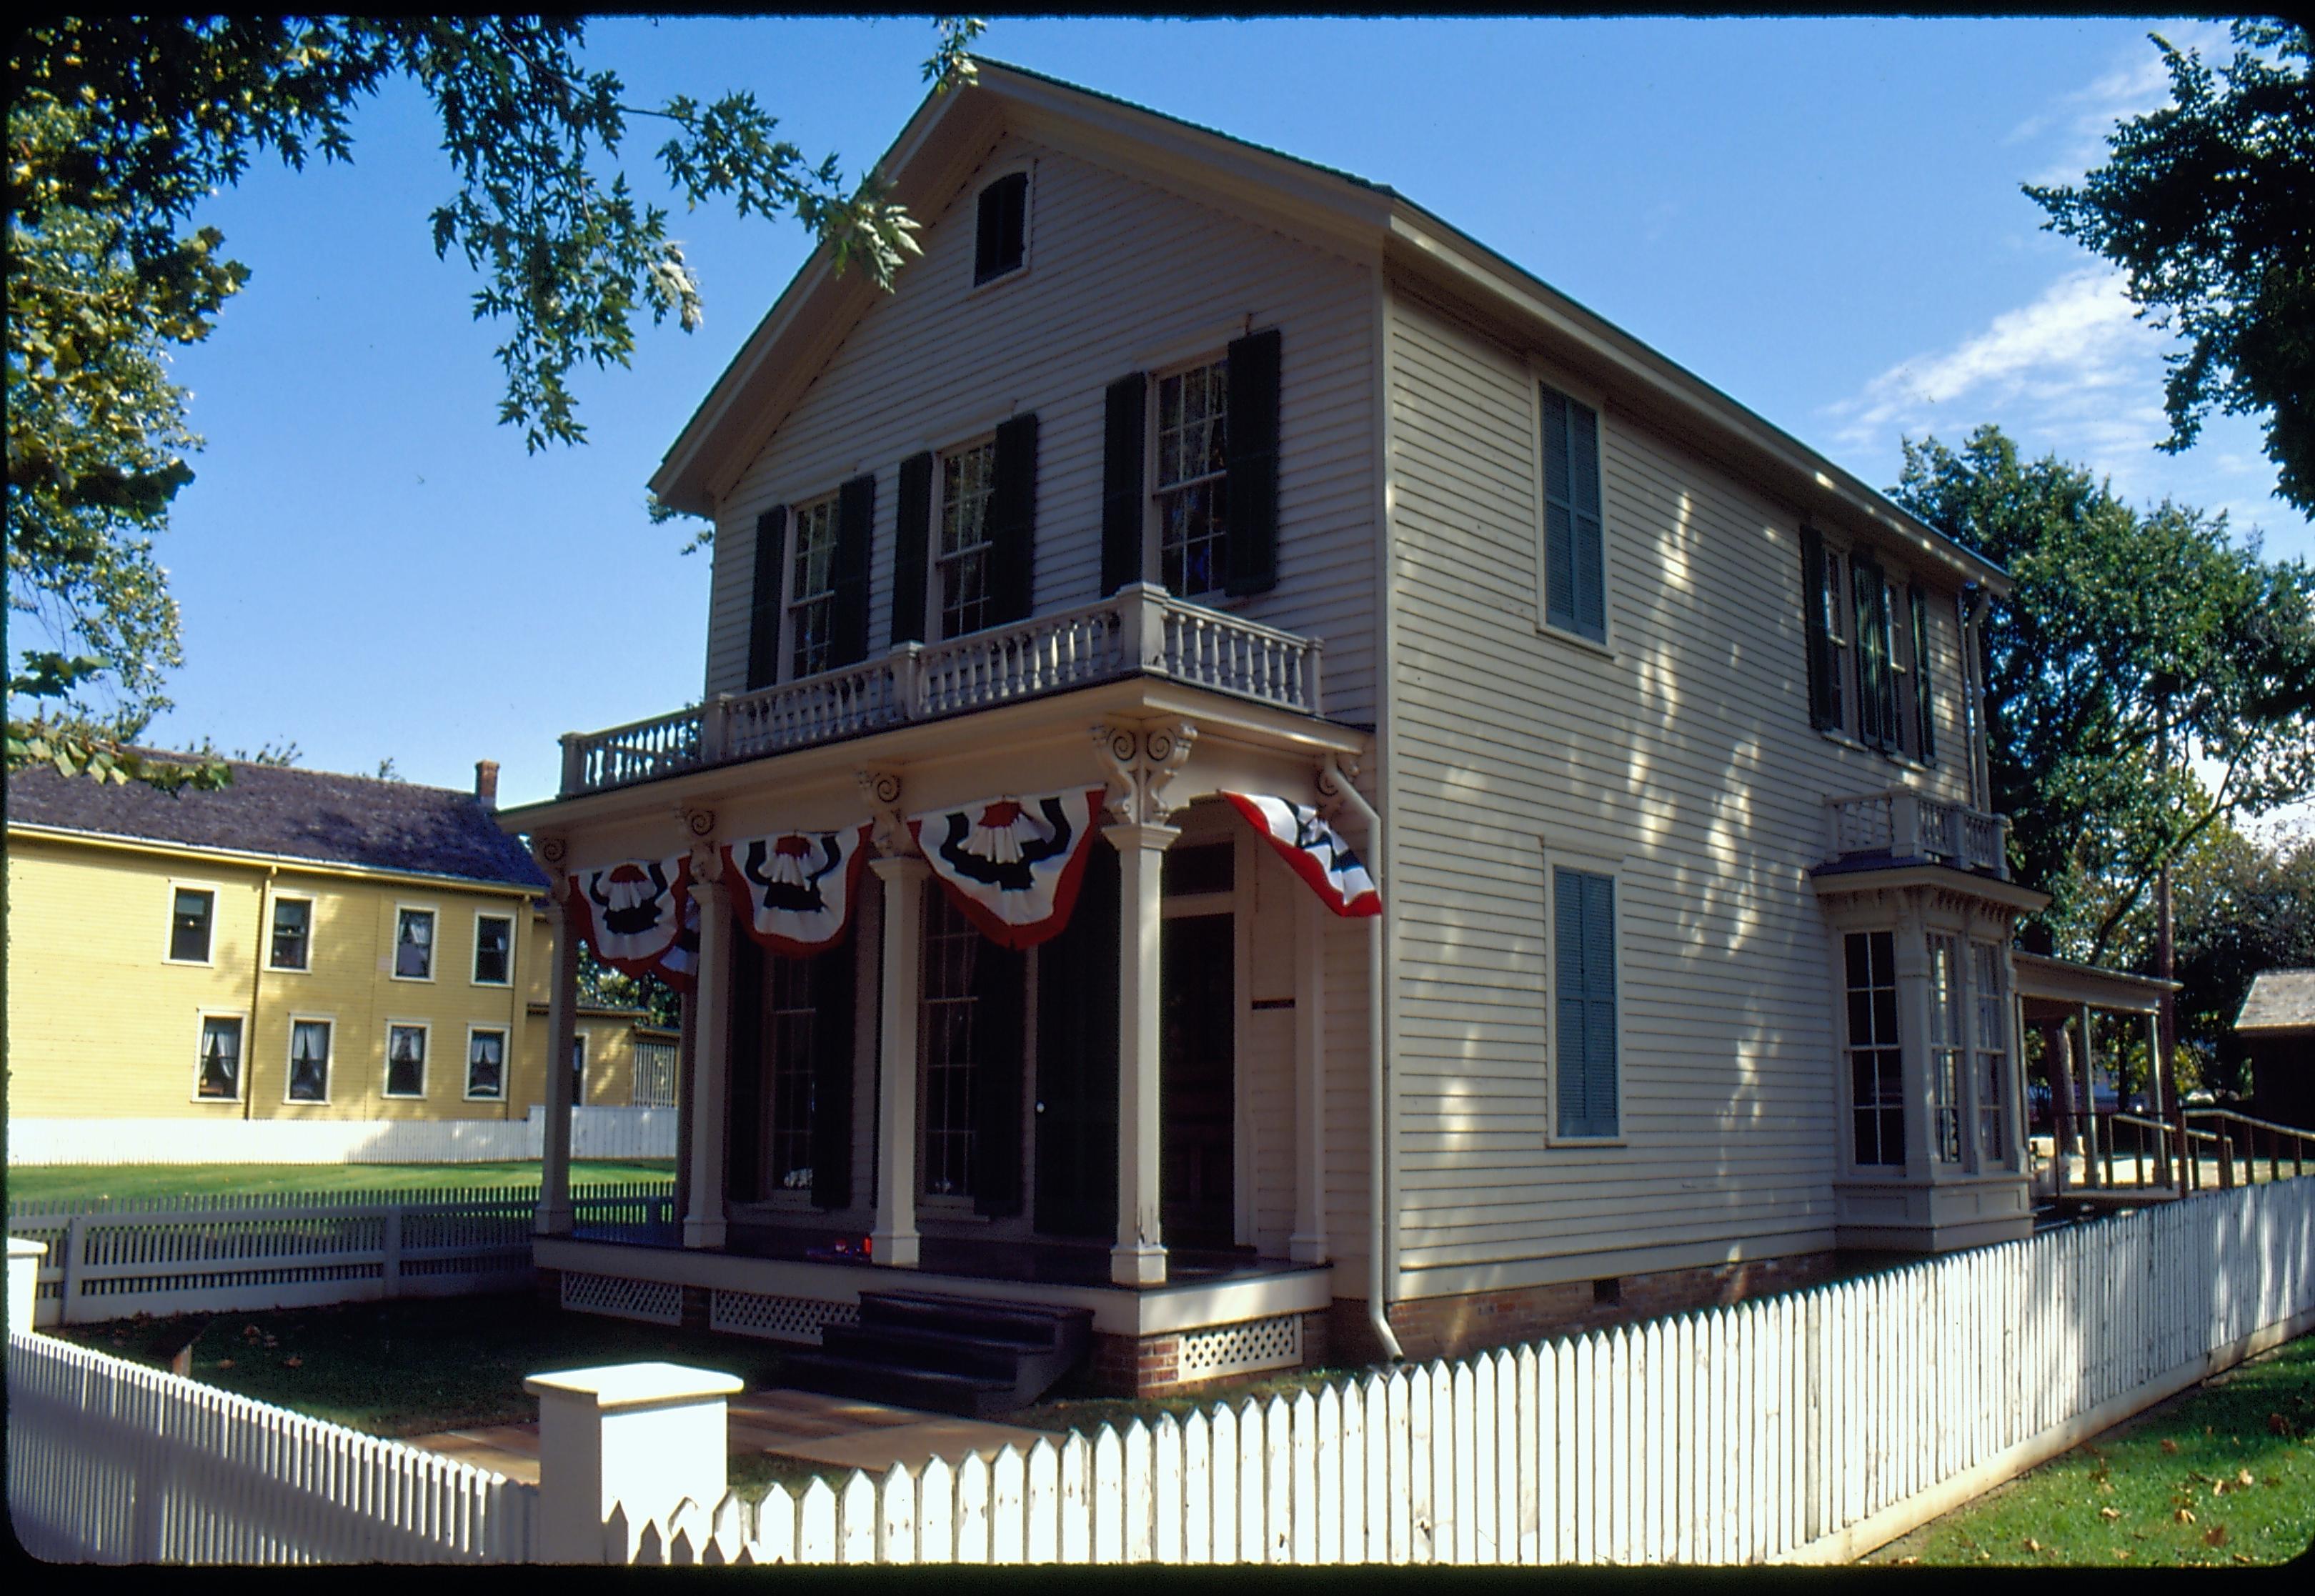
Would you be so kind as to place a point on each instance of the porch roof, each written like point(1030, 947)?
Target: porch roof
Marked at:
point(2052, 988)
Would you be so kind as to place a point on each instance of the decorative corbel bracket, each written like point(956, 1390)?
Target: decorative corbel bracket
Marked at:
point(1143, 761)
point(553, 853)
point(1335, 773)
point(706, 854)
point(889, 831)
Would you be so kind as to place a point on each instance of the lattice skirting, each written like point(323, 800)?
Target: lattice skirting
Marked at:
point(777, 1318)
point(1241, 1349)
point(655, 1302)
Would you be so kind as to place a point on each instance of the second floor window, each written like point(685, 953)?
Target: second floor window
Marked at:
point(1575, 549)
point(293, 924)
point(413, 945)
point(493, 940)
point(967, 479)
point(190, 917)
point(812, 590)
point(1192, 486)
point(1870, 651)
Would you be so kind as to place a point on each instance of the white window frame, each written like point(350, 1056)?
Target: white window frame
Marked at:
point(2005, 1010)
point(1615, 868)
point(790, 546)
point(1908, 1109)
point(474, 980)
point(169, 922)
point(1153, 519)
point(201, 1018)
point(505, 1034)
point(1951, 1060)
point(996, 174)
point(935, 628)
point(289, 1060)
point(425, 1029)
point(1840, 645)
point(1537, 377)
point(273, 903)
point(433, 944)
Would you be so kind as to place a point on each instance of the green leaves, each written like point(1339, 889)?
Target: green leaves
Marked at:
point(2204, 203)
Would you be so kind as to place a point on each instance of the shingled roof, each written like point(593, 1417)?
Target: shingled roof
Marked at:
point(2279, 1000)
point(289, 813)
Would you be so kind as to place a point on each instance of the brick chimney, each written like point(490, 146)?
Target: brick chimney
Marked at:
point(486, 783)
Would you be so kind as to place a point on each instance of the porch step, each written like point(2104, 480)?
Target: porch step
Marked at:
point(950, 1354)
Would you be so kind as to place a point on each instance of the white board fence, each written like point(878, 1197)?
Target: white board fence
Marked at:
point(594, 1133)
point(1809, 1426)
point(113, 1260)
point(110, 1462)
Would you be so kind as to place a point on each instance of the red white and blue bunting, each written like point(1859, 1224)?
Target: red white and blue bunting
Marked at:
point(678, 967)
point(793, 891)
point(632, 913)
point(1314, 850)
point(1012, 865)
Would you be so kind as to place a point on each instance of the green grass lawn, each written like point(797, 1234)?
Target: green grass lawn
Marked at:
point(77, 1181)
point(2223, 1474)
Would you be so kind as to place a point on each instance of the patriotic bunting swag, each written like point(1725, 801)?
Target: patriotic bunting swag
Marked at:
point(679, 965)
point(1315, 851)
point(1012, 864)
point(794, 892)
point(633, 913)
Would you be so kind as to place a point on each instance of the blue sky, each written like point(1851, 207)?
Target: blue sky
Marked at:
point(1822, 218)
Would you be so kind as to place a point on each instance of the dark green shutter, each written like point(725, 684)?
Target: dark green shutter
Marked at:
point(1925, 706)
point(1864, 589)
point(1558, 516)
point(1013, 521)
point(911, 551)
point(832, 977)
point(1122, 446)
point(1824, 704)
point(1000, 991)
point(1253, 480)
point(855, 520)
point(743, 1128)
point(1884, 662)
point(764, 608)
point(1584, 967)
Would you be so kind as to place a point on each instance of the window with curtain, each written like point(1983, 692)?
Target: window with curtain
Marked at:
point(190, 915)
point(1192, 486)
point(413, 945)
point(1876, 1084)
point(812, 590)
point(219, 1072)
point(494, 943)
point(293, 924)
point(486, 1064)
point(405, 1061)
point(962, 562)
point(310, 1061)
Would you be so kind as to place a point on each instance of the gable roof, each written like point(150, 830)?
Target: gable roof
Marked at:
point(952, 131)
point(2279, 1000)
point(285, 813)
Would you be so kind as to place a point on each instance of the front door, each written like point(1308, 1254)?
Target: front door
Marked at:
point(1076, 1111)
point(1197, 1053)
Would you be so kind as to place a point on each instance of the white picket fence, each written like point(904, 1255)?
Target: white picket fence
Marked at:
point(110, 1462)
point(608, 1132)
point(113, 1260)
point(1813, 1426)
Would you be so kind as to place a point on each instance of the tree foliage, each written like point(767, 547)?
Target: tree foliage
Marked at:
point(2123, 624)
point(2206, 204)
point(2243, 906)
point(605, 986)
point(119, 127)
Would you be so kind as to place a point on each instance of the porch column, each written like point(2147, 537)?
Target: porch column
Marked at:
point(2165, 1106)
point(553, 1216)
point(2088, 1060)
point(703, 1224)
point(893, 1241)
point(2058, 1066)
point(1139, 1258)
point(1307, 1245)
point(686, 1051)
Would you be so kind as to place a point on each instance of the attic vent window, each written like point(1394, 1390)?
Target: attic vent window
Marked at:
point(1001, 245)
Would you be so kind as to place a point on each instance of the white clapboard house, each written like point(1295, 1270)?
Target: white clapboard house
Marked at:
point(1177, 467)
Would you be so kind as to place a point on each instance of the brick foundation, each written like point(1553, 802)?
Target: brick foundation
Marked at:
point(1151, 1366)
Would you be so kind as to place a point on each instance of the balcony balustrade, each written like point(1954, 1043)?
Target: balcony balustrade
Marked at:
point(1139, 629)
point(1906, 824)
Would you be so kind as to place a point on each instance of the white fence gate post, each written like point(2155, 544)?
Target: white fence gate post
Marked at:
point(645, 1433)
point(23, 1281)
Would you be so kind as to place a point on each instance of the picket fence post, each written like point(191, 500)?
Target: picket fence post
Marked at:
point(635, 1432)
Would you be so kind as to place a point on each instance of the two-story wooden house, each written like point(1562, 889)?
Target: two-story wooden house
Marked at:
point(1177, 468)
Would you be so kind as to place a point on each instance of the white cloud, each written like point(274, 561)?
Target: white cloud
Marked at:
point(2072, 129)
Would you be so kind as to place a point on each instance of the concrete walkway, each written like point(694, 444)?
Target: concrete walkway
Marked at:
point(841, 1432)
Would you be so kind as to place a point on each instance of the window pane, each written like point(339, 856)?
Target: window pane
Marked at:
point(189, 931)
point(413, 944)
point(486, 1064)
point(967, 478)
point(1193, 484)
point(811, 586)
point(310, 1061)
point(1875, 1063)
point(491, 936)
point(405, 1061)
point(220, 1060)
point(951, 948)
point(292, 918)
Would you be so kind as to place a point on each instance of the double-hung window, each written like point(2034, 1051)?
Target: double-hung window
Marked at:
point(309, 1060)
point(1949, 1047)
point(812, 590)
point(217, 1073)
point(1583, 1002)
point(192, 912)
point(293, 930)
point(405, 1061)
point(968, 479)
point(1990, 1036)
point(790, 1016)
point(1575, 549)
point(413, 945)
point(1192, 484)
point(486, 1064)
point(1870, 651)
point(1876, 1056)
point(493, 949)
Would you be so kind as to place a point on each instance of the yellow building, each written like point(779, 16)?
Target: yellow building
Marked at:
point(299, 945)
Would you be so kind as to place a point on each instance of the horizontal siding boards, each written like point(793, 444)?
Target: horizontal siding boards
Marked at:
point(1124, 272)
point(1687, 760)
